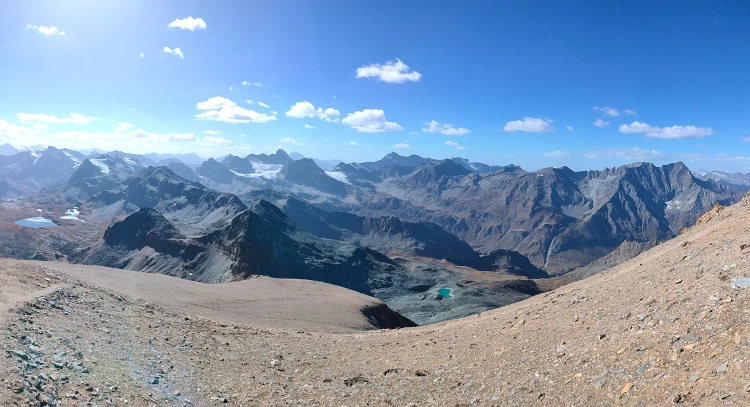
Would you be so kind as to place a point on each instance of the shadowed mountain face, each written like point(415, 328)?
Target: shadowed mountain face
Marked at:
point(215, 171)
point(259, 241)
point(394, 158)
point(241, 165)
point(183, 171)
point(306, 172)
point(280, 157)
point(182, 201)
point(382, 234)
point(559, 218)
point(501, 260)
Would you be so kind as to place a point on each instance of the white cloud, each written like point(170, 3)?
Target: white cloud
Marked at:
point(224, 110)
point(631, 112)
point(306, 110)
point(670, 133)
point(446, 129)
point(530, 124)
point(390, 72)
point(212, 132)
point(45, 30)
point(217, 141)
point(256, 84)
point(454, 144)
point(175, 51)
point(600, 123)
point(719, 157)
point(370, 121)
point(216, 102)
point(413, 132)
point(261, 104)
point(189, 23)
point(74, 118)
point(307, 126)
point(289, 140)
point(249, 102)
point(143, 55)
point(608, 111)
point(231, 88)
point(633, 153)
point(569, 128)
point(351, 143)
point(15, 132)
point(41, 126)
point(557, 154)
point(144, 135)
point(401, 145)
point(123, 126)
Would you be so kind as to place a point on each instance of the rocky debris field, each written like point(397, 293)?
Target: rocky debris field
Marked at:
point(668, 327)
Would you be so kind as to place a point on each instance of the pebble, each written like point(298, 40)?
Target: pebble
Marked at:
point(722, 368)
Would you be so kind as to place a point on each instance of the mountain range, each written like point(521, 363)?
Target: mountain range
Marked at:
point(397, 228)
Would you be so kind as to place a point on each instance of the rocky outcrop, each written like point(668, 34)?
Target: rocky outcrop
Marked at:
point(506, 261)
point(179, 200)
point(306, 172)
point(382, 234)
point(99, 174)
point(240, 165)
point(280, 157)
point(215, 171)
point(183, 171)
point(259, 241)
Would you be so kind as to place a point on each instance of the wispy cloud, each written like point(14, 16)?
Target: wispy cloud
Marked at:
point(600, 123)
point(446, 129)
point(289, 140)
point(557, 154)
point(669, 133)
point(454, 144)
point(401, 145)
point(351, 143)
point(307, 126)
point(608, 111)
point(569, 128)
point(633, 153)
point(74, 118)
point(631, 112)
point(221, 109)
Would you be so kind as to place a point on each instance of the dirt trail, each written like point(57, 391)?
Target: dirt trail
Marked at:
point(664, 328)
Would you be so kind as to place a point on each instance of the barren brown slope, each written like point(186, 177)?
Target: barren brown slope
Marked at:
point(261, 301)
point(663, 328)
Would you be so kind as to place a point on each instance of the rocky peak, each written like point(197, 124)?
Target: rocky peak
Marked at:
point(146, 227)
point(306, 172)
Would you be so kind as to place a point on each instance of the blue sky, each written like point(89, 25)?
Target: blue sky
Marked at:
point(497, 82)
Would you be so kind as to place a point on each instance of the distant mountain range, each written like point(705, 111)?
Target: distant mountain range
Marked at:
point(560, 219)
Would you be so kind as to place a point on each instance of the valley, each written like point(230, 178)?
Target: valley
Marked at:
point(400, 229)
